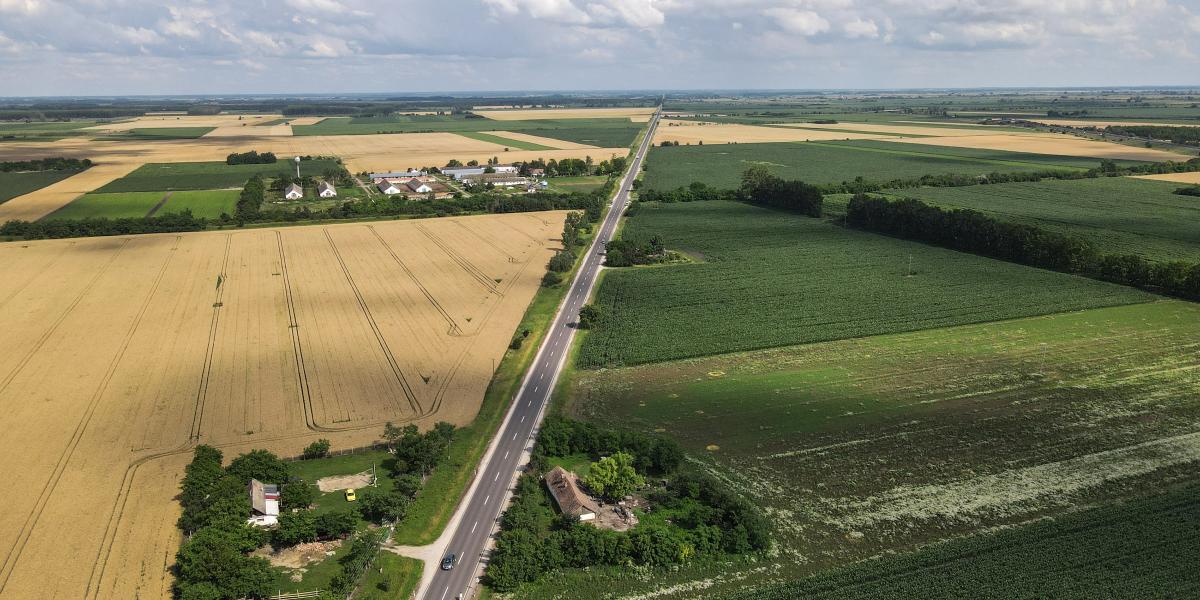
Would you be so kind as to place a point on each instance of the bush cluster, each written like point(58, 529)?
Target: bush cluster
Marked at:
point(250, 158)
point(46, 164)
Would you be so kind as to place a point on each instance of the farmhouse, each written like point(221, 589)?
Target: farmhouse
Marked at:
point(389, 188)
point(293, 192)
point(326, 190)
point(264, 503)
point(564, 486)
point(459, 173)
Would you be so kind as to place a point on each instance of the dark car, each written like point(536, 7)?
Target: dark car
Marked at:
point(448, 562)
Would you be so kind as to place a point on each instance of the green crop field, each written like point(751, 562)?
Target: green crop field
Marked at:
point(721, 165)
point(1121, 215)
point(766, 278)
point(42, 130)
point(495, 139)
point(1146, 548)
point(203, 203)
point(606, 133)
point(205, 175)
point(158, 133)
point(585, 183)
point(112, 206)
point(878, 445)
point(19, 184)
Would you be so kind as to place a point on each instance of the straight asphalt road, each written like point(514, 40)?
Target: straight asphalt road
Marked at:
point(496, 473)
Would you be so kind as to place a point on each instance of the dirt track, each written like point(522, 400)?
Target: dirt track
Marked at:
point(124, 353)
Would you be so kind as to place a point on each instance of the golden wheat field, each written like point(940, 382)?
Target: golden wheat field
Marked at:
point(123, 353)
point(1193, 177)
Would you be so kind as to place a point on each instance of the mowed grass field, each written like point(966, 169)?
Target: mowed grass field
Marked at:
point(1121, 215)
point(253, 338)
point(19, 184)
point(1142, 548)
point(601, 132)
point(163, 177)
point(507, 142)
point(765, 278)
point(883, 444)
point(721, 165)
point(203, 203)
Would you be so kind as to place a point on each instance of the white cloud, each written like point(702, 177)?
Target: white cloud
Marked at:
point(861, 28)
point(801, 22)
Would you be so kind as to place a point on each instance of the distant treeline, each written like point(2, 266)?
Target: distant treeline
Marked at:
point(94, 227)
point(759, 187)
point(46, 164)
point(970, 231)
point(1178, 135)
point(250, 158)
point(1107, 168)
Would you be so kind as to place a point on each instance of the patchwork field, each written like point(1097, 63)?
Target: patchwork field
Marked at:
point(252, 338)
point(1121, 215)
point(115, 159)
point(766, 278)
point(203, 203)
point(592, 131)
point(701, 132)
point(162, 177)
point(18, 184)
point(837, 162)
point(875, 445)
point(634, 114)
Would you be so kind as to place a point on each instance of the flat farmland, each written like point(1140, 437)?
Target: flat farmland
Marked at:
point(254, 338)
point(1185, 178)
point(604, 132)
point(18, 184)
point(763, 278)
point(1119, 214)
point(883, 444)
point(110, 206)
point(162, 177)
point(836, 162)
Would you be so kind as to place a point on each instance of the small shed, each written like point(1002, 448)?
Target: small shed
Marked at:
point(326, 190)
point(564, 486)
point(293, 192)
point(264, 503)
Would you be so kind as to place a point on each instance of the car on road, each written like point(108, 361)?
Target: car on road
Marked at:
point(448, 562)
point(350, 496)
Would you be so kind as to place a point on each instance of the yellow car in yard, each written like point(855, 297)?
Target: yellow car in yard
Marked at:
point(350, 497)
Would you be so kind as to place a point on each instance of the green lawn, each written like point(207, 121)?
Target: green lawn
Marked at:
point(721, 165)
point(765, 278)
point(310, 471)
point(111, 206)
point(391, 577)
point(205, 175)
point(585, 183)
point(503, 141)
point(315, 577)
point(203, 203)
point(1121, 215)
point(19, 184)
point(879, 445)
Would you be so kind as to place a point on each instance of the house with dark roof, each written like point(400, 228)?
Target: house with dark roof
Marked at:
point(293, 192)
point(326, 190)
point(571, 501)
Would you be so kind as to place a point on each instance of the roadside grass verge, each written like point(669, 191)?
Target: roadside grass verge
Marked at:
point(391, 577)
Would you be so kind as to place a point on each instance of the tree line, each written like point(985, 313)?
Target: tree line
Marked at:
point(250, 158)
point(971, 231)
point(1189, 136)
point(46, 164)
point(708, 521)
point(759, 187)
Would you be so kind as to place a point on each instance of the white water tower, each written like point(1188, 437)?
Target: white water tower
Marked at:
point(297, 159)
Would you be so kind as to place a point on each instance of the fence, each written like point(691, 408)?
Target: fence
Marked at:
point(296, 595)
point(343, 452)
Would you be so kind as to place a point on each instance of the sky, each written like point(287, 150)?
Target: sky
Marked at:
point(123, 47)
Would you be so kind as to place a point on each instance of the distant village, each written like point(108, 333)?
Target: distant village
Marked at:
point(439, 183)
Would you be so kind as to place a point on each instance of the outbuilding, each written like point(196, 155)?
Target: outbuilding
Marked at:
point(388, 188)
point(326, 190)
point(264, 503)
point(293, 192)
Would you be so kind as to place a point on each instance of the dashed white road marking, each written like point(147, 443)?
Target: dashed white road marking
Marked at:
point(474, 526)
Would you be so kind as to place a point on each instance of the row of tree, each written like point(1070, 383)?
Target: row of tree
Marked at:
point(1178, 135)
point(759, 187)
point(93, 227)
point(45, 164)
point(250, 158)
point(707, 520)
point(971, 231)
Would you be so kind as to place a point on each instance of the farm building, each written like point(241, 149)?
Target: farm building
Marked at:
point(418, 186)
point(497, 179)
point(461, 172)
point(564, 486)
point(293, 192)
point(264, 503)
point(389, 188)
point(379, 177)
point(326, 190)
